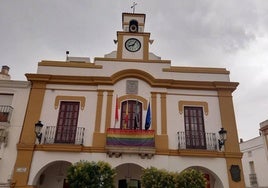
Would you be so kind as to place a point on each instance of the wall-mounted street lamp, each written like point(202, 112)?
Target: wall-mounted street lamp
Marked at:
point(38, 133)
point(223, 136)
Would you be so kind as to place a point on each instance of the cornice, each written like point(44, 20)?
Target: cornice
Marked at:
point(14, 84)
point(69, 64)
point(133, 34)
point(139, 74)
point(131, 60)
point(197, 70)
point(170, 152)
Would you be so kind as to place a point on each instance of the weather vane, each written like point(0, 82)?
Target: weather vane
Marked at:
point(133, 7)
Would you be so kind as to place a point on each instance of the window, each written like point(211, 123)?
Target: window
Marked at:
point(131, 115)
point(67, 122)
point(194, 128)
point(252, 174)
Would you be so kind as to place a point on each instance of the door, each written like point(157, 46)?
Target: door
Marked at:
point(194, 128)
point(131, 115)
point(67, 122)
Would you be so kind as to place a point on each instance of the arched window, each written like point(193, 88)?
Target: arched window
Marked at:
point(131, 115)
point(133, 26)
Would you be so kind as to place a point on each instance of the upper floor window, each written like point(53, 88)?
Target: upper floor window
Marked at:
point(131, 115)
point(67, 122)
point(194, 128)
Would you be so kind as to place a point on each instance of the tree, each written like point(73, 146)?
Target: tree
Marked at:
point(190, 178)
point(155, 178)
point(86, 174)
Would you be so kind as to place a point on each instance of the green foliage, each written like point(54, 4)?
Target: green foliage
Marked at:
point(155, 178)
point(86, 174)
point(191, 179)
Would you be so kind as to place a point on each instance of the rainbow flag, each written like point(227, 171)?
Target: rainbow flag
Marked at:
point(128, 137)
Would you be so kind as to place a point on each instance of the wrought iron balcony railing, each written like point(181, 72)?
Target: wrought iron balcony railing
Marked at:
point(5, 113)
point(197, 140)
point(54, 135)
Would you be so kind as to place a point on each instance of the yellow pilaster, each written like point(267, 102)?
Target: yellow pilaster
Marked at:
point(163, 113)
point(98, 137)
point(108, 110)
point(26, 143)
point(231, 144)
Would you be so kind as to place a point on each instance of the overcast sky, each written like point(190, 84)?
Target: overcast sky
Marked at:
point(230, 34)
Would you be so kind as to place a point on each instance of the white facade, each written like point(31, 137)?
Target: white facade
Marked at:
point(255, 161)
point(13, 102)
point(129, 77)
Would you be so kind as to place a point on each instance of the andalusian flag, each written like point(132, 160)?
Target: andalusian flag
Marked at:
point(137, 117)
point(126, 117)
point(148, 118)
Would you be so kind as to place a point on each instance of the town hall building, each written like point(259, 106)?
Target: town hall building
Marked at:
point(131, 109)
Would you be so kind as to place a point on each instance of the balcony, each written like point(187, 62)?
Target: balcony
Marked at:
point(5, 113)
point(197, 140)
point(65, 136)
point(120, 141)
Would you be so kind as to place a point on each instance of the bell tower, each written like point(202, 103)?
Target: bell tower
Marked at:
point(133, 42)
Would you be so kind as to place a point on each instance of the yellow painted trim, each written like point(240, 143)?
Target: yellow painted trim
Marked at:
point(108, 110)
point(27, 137)
point(59, 147)
point(229, 163)
point(161, 143)
point(146, 48)
point(132, 97)
point(163, 113)
point(197, 70)
point(99, 147)
point(229, 124)
point(119, 59)
point(228, 121)
point(99, 140)
point(69, 64)
point(154, 112)
point(119, 47)
point(123, 33)
point(139, 24)
point(133, 15)
point(98, 111)
point(139, 74)
point(181, 104)
point(59, 98)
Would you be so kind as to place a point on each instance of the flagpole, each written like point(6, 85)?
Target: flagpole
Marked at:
point(116, 111)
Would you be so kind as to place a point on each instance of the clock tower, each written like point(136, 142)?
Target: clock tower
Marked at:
point(133, 42)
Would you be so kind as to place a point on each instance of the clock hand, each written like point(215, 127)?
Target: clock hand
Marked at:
point(130, 45)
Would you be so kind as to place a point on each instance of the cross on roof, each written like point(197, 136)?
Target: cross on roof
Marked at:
point(133, 7)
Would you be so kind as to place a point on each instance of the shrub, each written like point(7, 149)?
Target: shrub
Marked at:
point(86, 174)
point(155, 178)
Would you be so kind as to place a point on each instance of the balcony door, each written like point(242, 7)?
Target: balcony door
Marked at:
point(67, 122)
point(194, 128)
point(131, 115)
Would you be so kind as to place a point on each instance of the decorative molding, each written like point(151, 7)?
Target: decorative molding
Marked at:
point(197, 70)
point(133, 73)
point(69, 64)
point(133, 97)
point(181, 104)
point(70, 98)
point(132, 86)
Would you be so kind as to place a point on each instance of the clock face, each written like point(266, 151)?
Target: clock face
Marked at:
point(133, 45)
